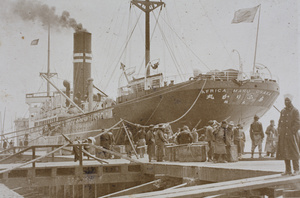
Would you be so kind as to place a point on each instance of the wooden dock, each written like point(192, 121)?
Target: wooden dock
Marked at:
point(121, 177)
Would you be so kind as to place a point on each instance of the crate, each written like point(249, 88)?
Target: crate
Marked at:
point(191, 153)
point(119, 149)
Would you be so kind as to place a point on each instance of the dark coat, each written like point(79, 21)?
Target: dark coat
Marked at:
point(209, 133)
point(220, 141)
point(288, 142)
point(184, 137)
point(150, 139)
point(160, 138)
point(256, 128)
point(105, 140)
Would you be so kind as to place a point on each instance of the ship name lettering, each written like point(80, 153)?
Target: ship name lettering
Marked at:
point(210, 96)
point(261, 99)
point(241, 91)
point(263, 92)
point(214, 91)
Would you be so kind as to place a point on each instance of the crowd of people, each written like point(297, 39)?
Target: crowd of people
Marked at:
point(153, 139)
point(22, 142)
point(220, 138)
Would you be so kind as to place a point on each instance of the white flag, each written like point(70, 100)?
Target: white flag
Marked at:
point(246, 15)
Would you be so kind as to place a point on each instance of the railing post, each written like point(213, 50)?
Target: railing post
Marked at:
point(80, 155)
point(33, 156)
point(52, 154)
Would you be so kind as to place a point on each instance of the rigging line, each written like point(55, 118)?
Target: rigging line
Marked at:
point(191, 106)
point(143, 61)
point(119, 27)
point(125, 47)
point(122, 52)
point(155, 94)
point(172, 54)
point(41, 86)
point(154, 110)
point(227, 61)
point(181, 53)
point(186, 44)
point(108, 41)
point(128, 30)
point(114, 45)
point(152, 35)
point(176, 120)
point(215, 30)
point(139, 26)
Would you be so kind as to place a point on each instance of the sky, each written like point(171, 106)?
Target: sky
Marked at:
point(198, 32)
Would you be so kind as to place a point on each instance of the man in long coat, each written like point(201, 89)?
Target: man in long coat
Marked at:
point(272, 134)
point(220, 143)
point(128, 138)
point(141, 142)
point(160, 141)
point(288, 142)
point(210, 139)
point(237, 139)
point(150, 141)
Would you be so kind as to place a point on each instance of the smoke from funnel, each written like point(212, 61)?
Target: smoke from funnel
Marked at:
point(37, 11)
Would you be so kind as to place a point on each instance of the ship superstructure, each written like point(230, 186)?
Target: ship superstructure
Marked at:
point(152, 99)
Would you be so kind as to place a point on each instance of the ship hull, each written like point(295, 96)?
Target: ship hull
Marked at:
point(195, 101)
point(190, 103)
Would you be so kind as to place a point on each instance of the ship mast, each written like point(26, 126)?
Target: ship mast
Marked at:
point(48, 63)
point(49, 75)
point(147, 6)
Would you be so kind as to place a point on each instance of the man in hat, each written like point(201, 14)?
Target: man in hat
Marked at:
point(105, 142)
point(272, 134)
point(243, 139)
point(77, 154)
point(288, 141)
point(141, 143)
point(237, 139)
point(229, 140)
point(185, 136)
point(220, 145)
point(150, 141)
point(195, 135)
point(160, 141)
point(210, 139)
point(128, 138)
point(229, 134)
point(257, 136)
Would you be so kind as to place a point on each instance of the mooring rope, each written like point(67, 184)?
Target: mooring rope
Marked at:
point(201, 90)
point(191, 106)
point(154, 110)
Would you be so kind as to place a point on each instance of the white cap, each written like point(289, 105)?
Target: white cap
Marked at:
point(289, 96)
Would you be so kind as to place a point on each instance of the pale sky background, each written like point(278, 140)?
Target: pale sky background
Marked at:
point(203, 25)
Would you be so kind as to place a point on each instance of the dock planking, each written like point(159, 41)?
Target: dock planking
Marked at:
point(224, 187)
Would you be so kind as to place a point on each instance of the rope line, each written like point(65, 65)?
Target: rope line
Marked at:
point(125, 47)
point(191, 106)
point(176, 120)
point(154, 110)
point(170, 51)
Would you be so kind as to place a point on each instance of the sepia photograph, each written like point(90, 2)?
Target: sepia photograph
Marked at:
point(149, 98)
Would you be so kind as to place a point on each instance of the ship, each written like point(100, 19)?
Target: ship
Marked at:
point(148, 100)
